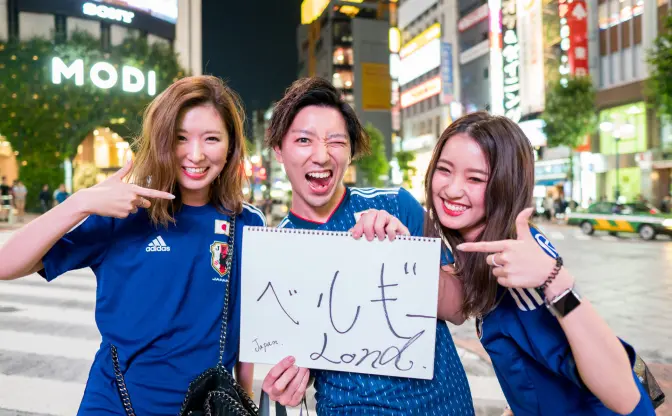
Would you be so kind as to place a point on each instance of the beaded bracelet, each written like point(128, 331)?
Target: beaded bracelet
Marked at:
point(553, 275)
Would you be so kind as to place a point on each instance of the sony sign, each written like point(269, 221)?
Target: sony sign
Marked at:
point(106, 12)
point(104, 75)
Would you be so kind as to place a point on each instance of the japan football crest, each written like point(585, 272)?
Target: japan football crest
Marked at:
point(218, 252)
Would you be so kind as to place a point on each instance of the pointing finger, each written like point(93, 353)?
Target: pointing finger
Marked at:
point(121, 173)
point(484, 246)
point(153, 193)
point(523, 224)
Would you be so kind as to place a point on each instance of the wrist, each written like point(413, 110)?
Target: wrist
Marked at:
point(80, 202)
point(560, 284)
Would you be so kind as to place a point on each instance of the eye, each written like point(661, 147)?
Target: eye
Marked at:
point(212, 138)
point(443, 169)
point(181, 139)
point(477, 180)
point(303, 140)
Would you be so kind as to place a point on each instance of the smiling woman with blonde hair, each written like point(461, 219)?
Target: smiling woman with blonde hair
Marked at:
point(163, 236)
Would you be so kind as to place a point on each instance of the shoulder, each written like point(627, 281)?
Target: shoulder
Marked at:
point(525, 300)
point(285, 223)
point(374, 196)
point(253, 215)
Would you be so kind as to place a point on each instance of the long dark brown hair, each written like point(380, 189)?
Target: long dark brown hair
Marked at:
point(509, 190)
point(155, 165)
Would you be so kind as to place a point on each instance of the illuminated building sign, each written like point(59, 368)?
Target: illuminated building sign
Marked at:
point(473, 18)
point(574, 38)
point(433, 32)
point(510, 61)
point(421, 92)
point(104, 76)
point(107, 12)
point(312, 9)
point(424, 60)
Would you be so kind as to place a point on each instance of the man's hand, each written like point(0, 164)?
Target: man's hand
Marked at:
point(286, 383)
point(377, 223)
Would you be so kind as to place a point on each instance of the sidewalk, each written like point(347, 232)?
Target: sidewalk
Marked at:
point(5, 227)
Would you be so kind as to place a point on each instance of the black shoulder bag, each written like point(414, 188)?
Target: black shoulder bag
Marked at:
point(215, 392)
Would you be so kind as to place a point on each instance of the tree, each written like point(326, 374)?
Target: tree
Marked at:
point(659, 84)
point(551, 40)
point(569, 115)
point(405, 158)
point(374, 165)
point(45, 122)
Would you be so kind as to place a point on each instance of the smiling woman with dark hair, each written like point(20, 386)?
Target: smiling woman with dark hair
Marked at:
point(552, 353)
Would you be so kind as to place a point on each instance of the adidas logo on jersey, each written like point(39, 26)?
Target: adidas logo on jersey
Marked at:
point(157, 245)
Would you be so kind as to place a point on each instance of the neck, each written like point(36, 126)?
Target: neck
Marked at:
point(195, 198)
point(318, 214)
point(470, 234)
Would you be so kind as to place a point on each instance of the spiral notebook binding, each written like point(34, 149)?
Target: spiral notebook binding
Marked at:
point(331, 233)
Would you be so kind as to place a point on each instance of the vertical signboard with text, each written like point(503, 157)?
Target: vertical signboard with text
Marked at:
point(446, 73)
point(511, 60)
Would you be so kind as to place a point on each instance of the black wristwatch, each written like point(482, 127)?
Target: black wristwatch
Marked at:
point(561, 305)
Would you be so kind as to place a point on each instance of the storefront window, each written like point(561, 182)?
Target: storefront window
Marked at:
point(623, 129)
point(343, 79)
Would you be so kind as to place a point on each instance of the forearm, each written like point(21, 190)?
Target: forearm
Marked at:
point(245, 376)
point(450, 299)
point(22, 254)
point(601, 360)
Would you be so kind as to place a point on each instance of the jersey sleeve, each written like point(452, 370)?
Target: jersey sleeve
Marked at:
point(83, 246)
point(254, 216)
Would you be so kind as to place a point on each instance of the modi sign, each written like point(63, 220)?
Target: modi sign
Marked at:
point(104, 76)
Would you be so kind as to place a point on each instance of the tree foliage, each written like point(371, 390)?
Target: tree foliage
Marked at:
point(405, 159)
point(659, 84)
point(374, 165)
point(570, 113)
point(45, 122)
point(551, 40)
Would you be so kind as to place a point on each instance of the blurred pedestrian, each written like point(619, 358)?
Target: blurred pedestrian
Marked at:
point(665, 204)
point(5, 199)
point(60, 195)
point(19, 192)
point(45, 198)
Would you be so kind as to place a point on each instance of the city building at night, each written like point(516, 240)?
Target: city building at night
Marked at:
point(176, 24)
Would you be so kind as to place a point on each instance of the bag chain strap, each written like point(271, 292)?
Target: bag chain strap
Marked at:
point(225, 312)
point(121, 384)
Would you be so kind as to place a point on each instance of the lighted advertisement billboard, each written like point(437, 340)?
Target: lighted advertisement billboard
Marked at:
point(421, 92)
point(420, 62)
point(162, 9)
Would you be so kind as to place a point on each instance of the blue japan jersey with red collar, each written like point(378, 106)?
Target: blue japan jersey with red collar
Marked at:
point(343, 393)
point(533, 360)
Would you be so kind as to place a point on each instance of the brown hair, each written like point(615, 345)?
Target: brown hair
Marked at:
point(508, 191)
point(154, 166)
point(319, 92)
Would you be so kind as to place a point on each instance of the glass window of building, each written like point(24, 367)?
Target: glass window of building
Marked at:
point(343, 79)
point(343, 56)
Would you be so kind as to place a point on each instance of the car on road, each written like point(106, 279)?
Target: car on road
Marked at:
point(638, 217)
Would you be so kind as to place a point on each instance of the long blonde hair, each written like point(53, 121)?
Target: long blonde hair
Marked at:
point(155, 165)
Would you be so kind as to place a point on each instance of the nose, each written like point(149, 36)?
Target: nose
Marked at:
point(454, 188)
point(320, 153)
point(195, 151)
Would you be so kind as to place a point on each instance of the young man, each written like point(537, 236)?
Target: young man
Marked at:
point(316, 135)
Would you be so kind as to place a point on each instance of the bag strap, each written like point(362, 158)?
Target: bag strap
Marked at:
point(121, 384)
point(225, 310)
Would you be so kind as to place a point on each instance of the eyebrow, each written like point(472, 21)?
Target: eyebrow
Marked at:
point(310, 133)
point(205, 132)
point(448, 162)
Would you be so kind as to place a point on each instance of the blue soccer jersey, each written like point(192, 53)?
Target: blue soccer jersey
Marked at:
point(159, 301)
point(342, 393)
point(533, 360)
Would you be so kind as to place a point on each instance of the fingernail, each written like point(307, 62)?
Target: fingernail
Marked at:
point(460, 246)
point(292, 360)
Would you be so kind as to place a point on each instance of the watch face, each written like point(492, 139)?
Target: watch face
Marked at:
point(567, 303)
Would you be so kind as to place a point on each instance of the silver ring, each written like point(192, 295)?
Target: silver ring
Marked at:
point(494, 263)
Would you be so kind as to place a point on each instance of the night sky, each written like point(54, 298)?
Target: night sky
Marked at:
point(252, 45)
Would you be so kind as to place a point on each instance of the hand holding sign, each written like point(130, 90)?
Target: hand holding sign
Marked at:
point(115, 198)
point(378, 223)
point(286, 383)
point(516, 263)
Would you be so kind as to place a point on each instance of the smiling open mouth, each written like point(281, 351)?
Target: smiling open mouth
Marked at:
point(320, 181)
point(194, 172)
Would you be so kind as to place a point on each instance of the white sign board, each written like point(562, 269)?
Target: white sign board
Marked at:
point(337, 303)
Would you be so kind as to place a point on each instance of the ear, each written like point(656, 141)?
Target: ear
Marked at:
point(278, 153)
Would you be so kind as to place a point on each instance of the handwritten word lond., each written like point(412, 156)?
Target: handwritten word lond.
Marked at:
point(336, 303)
